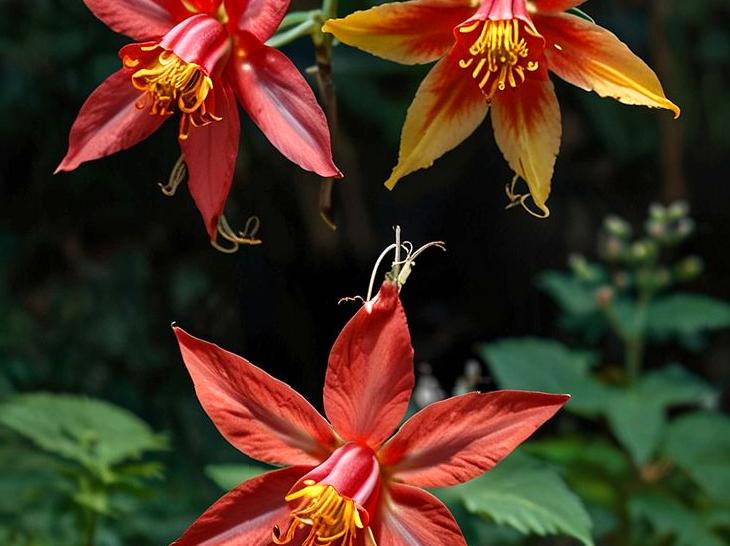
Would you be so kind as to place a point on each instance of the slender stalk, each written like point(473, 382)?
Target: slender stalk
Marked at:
point(304, 28)
point(323, 58)
point(90, 524)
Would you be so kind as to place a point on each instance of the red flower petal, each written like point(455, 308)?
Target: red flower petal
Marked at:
point(141, 20)
point(414, 517)
point(370, 373)
point(282, 104)
point(262, 416)
point(594, 59)
point(458, 439)
point(108, 122)
point(259, 17)
point(210, 155)
point(418, 31)
point(528, 130)
point(247, 514)
point(556, 5)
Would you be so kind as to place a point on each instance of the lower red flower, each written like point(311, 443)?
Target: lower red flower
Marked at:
point(351, 481)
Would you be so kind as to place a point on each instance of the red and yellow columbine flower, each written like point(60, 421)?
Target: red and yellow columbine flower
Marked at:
point(351, 481)
point(193, 59)
point(497, 53)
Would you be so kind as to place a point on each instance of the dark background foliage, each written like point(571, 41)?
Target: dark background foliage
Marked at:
point(96, 264)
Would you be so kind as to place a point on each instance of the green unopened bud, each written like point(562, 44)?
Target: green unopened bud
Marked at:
point(656, 229)
point(678, 210)
point(685, 228)
point(617, 226)
point(644, 250)
point(689, 268)
point(658, 212)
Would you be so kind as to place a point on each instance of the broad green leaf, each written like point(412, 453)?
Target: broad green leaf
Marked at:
point(228, 476)
point(671, 519)
point(686, 315)
point(637, 422)
point(547, 366)
point(92, 432)
point(700, 444)
point(674, 385)
point(638, 414)
point(530, 497)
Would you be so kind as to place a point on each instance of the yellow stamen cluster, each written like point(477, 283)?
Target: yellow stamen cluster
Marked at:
point(499, 55)
point(171, 84)
point(333, 519)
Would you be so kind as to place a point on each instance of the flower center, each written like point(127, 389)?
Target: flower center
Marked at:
point(171, 84)
point(499, 55)
point(333, 520)
point(331, 505)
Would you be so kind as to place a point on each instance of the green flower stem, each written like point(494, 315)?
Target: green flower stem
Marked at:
point(305, 28)
point(90, 523)
point(297, 17)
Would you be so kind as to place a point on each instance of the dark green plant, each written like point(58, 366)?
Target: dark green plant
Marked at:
point(659, 472)
point(71, 462)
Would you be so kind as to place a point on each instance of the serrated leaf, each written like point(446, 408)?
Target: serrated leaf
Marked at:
point(669, 518)
point(92, 432)
point(699, 443)
point(546, 366)
point(686, 315)
point(228, 476)
point(530, 497)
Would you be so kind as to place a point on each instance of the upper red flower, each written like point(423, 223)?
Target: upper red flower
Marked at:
point(192, 58)
point(497, 53)
point(351, 481)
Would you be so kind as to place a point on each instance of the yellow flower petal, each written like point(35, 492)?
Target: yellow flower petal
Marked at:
point(594, 59)
point(447, 108)
point(419, 31)
point(527, 129)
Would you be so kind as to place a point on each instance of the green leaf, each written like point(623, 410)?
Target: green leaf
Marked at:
point(669, 518)
point(92, 432)
point(637, 422)
point(686, 315)
point(530, 497)
point(574, 296)
point(638, 415)
point(228, 476)
point(547, 366)
point(699, 443)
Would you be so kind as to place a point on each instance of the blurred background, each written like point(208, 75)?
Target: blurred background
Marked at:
point(96, 264)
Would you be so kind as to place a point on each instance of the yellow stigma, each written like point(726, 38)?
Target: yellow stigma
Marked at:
point(171, 84)
point(499, 54)
point(333, 520)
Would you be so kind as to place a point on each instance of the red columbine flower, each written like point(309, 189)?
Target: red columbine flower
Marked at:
point(193, 58)
point(351, 481)
point(498, 53)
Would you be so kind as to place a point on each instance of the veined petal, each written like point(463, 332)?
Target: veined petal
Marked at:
point(141, 20)
point(370, 373)
point(109, 121)
point(527, 129)
point(594, 59)
point(552, 6)
point(210, 155)
point(411, 516)
point(262, 416)
point(458, 439)
point(283, 106)
point(261, 18)
point(447, 108)
point(419, 31)
point(247, 514)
